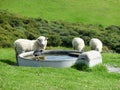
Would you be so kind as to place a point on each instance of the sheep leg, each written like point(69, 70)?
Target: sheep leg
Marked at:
point(16, 57)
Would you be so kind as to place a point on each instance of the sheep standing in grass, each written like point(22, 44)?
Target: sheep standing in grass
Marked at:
point(25, 45)
point(78, 43)
point(96, 44)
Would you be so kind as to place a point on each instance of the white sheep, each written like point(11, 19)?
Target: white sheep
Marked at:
point(25, 45)
point(78, 43)
point(96, 44)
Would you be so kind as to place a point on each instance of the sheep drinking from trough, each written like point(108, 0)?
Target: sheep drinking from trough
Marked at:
point(25, 45)
point(78, 44)
point(96, 44)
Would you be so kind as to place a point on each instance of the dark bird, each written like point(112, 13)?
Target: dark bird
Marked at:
point(37, 52)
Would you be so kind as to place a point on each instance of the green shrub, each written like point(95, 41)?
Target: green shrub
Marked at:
point(54, 40)
point(67, 40)
point(59, 33)
point(81, 66)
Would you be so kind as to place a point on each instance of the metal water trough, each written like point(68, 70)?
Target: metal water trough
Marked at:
point(60, 63)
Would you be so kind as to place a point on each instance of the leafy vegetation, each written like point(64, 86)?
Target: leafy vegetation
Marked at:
point(18, 78)
point(59, 33)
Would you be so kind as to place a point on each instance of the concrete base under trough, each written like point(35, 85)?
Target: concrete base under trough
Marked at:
point(90, 58)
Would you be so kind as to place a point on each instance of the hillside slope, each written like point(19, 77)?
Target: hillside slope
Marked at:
point(105, 12)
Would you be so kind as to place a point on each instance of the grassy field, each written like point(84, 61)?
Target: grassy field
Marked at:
point(32, 78)
point(105, 12)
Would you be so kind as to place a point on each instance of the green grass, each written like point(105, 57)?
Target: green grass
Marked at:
point(34, 78)
point(105, 12)
point(112, 59)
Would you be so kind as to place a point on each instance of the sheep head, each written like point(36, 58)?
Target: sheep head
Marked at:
point(42, 41)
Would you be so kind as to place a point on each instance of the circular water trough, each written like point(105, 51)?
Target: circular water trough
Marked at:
point(52, 58)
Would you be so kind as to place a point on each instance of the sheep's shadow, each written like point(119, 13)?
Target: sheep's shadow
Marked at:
point(9, 62)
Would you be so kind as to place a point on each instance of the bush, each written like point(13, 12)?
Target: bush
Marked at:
point(58, 32)
point(54, 40)
point(67, 41)
point(81, 66)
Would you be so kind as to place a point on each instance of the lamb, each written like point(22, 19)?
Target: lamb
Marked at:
point(78, 44)
point(25, 45)
point(96, 44)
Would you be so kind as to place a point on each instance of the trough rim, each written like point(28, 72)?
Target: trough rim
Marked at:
point(21, 56)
